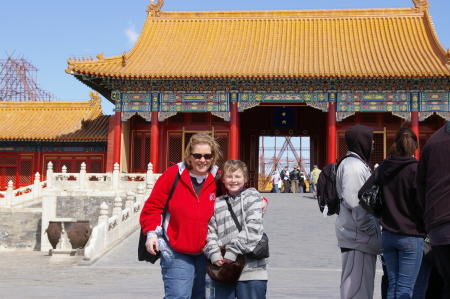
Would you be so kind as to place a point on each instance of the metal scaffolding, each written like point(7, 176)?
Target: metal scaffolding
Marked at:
point(278, 157)
point(18, 82)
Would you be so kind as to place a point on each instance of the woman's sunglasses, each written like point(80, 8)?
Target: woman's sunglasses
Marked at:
point(199, 156)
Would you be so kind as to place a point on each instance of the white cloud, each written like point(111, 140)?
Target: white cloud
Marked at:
point(131, 33)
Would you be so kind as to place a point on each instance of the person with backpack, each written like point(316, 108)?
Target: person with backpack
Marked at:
point(358, 233)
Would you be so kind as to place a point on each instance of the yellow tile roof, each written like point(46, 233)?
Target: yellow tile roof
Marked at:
point(315, 43)
point(53, 121)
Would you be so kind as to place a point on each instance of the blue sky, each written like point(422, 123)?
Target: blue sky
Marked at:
point(48, 32)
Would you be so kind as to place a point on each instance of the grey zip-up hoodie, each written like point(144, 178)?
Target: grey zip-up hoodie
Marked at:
point(355, 227)
point(222, 230)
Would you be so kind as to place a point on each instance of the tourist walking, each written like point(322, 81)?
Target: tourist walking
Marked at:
point(357, 232)
point(276, 182)
point(433, 186)
point(222, 231)
point(403, 229)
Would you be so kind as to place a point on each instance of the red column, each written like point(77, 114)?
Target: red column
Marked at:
point(331, 133)
point(154, 146)
point(117, 137)
point(415, 128)
point(234, 136)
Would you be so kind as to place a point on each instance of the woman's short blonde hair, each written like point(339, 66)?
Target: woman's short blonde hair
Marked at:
point(202, 138)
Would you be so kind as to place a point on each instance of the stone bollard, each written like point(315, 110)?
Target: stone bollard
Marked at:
point(150, 182)
point(115, 179)
point(82, 178)
point(37, 186)
point(49, 175)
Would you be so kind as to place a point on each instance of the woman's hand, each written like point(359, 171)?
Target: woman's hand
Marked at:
point(264, 206)
point(152, 245)
point(227, 261)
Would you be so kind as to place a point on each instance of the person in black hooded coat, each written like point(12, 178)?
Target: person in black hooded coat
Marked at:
point(358, 232)
point(402, 216)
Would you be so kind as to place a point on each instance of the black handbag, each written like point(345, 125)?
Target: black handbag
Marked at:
point(261, 250)
point(371, 199)
point(227, 274)
point(143, 254)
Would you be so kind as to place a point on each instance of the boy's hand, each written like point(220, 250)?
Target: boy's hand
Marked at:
point(219, 263)
point(227, 261)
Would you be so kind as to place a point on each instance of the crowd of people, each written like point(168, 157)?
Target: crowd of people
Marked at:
point(197, 225)
point(286, 181)
point(415, 199)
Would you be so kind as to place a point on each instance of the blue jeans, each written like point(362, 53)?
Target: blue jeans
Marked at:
point(275, 188)
point(421, 286)
point(184, 277)
point(251, 289)
point(403, 257)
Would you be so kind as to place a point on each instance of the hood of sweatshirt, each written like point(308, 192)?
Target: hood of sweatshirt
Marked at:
point(393, 164)
point(359, 140)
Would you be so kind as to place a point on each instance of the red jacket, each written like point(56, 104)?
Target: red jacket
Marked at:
point(188, 213)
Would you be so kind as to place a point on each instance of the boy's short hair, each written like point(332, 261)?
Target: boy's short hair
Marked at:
point(233, 165)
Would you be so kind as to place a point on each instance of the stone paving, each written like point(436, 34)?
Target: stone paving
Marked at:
point(305, 262)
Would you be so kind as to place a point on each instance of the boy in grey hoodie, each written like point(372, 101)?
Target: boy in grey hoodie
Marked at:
point(222, 231)
point(357, 232)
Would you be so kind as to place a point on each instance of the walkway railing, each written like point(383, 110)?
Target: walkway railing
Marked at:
point(111, 230)
point(76, 181)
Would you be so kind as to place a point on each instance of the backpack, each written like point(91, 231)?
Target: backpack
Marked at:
point(326, 188)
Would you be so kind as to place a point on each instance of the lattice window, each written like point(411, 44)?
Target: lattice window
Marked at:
point(389, 143)
point(8, 160)
point(10, 174)
point(141, 151)
point(174, 151)
point(137, 154)
point(25, 173)
point(199, 118)
point(78, 165)
point(177, 119)
point(342, 146)
point(96, 167)
point(222, 139)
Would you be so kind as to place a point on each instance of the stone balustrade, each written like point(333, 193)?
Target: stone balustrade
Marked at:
point(111, 230)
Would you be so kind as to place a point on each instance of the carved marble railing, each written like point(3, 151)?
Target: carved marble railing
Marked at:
point(111, 230)
point(99, 181)
point(22, 196)
point(64, 181)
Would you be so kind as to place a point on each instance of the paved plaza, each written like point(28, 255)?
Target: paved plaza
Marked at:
point(305, 262)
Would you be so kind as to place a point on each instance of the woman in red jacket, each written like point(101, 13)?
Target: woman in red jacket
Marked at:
point(182, 236)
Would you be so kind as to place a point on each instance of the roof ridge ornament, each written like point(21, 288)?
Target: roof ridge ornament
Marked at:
point(447, 55)
point(421, 5)
point(155, 9)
